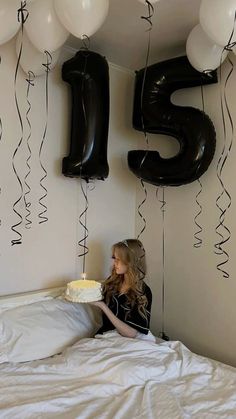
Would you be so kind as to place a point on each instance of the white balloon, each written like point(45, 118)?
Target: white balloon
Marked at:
point(217, 20)
point(31, 58)
point(43, 27)
point(202, 53)
point(9, 24)
point(82, 17)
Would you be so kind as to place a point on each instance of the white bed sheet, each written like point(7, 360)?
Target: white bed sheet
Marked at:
point(112, 377)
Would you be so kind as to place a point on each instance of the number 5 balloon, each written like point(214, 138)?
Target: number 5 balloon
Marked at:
point(191, 127)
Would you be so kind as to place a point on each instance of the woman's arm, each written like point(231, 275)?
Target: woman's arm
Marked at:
point(121, 327)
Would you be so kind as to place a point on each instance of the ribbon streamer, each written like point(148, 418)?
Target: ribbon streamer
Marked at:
point(197, 234)
point(0, 117)
point(42, 215)
point(83, 242)
point(139, 212)
point(0, 128)
point(22, 15)
point(219, 250)
point(28, 221)
point(149, 20)
point(198, 240)
point(150, 14)
point(162, 334)
point(85, 43)
point(0, 140)
point(225, 234)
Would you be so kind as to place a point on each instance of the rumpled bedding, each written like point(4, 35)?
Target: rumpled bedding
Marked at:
point(113, 377)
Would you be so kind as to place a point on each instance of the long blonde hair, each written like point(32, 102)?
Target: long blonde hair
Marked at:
point(131, 252)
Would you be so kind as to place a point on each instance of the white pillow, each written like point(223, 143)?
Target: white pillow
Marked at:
point(44, 328)
point(8, 305)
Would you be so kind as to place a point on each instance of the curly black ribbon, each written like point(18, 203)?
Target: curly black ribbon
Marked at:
point(162, 334)
point(85, 43)
point(42, 215)
point(22, 15)
point(221, 229)
point(150, 14)
point(83, 242)
point(197, 235)
point(0, 129)
point(28, 221)
point(198, 240)
point(231, 44)
point(0, 140)
point(139, 212)
point(148, 18)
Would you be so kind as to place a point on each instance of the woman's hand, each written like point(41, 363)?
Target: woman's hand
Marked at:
point(99, 304)
point(121, 327)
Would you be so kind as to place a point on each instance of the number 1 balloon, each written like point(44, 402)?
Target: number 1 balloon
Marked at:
point(88, 74)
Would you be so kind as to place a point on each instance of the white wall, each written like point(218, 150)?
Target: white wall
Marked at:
point(200, 305)
point(48, 255)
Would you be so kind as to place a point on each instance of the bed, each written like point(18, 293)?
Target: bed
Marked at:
point(113, 377)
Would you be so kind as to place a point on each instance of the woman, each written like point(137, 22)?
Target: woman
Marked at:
point(127, 298)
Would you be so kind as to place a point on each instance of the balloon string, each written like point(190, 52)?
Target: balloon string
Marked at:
point(221, 163)
point(150, 14)
point(142, 276)
point(83, 104)
point(42, 215)
point(149, 20)
point(22, 15)
point(0, 116)
point(231, 44)
point(142, 273)
point(28, 221)
point(218, 167)
point(85, 43)
point(197, 234)
point(83, 242)
point(202, 96)
point(198, 239)
point(162, 334)
point(139, 212)
point(0, 129)
point(0, 140)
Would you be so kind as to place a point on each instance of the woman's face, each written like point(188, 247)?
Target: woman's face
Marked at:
point(119, 266)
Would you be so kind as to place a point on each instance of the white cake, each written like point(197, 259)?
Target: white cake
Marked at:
point(84, 291)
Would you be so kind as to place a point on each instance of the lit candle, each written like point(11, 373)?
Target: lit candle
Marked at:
point(83, 275)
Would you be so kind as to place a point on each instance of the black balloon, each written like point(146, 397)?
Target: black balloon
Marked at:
point(88, 74)
point(154, 113)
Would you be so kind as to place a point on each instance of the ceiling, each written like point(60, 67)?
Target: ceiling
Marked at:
point(123, 37)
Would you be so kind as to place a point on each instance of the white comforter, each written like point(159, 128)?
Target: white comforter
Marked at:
point(119, 378)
